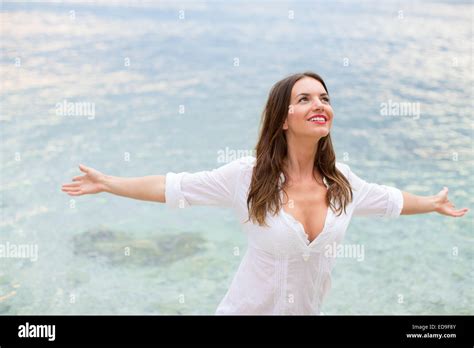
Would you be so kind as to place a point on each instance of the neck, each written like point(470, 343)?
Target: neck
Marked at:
point(300, 161)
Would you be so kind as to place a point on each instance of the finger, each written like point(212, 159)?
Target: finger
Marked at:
point(70, 187)
point(459, 213)
point(77, 178)
point(74, 184)
point(83, 168)
point(71, 190)
point(74, 193)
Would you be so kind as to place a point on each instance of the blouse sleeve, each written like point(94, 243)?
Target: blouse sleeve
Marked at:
point(372, 199)
point(210, 187)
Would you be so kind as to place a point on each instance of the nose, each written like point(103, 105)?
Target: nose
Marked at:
point(317, 105)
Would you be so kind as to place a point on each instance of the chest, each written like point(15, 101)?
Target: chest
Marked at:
point(307, 204)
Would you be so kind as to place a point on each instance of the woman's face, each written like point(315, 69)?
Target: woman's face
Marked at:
point(310, 112)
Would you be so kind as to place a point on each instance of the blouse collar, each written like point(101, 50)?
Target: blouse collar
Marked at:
point(282, 180)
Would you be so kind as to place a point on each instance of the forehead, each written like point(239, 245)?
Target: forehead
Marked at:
point(307, 85)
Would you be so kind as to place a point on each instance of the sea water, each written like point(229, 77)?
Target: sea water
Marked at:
point(135, 90)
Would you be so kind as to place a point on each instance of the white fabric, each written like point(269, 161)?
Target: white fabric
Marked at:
point(281, 271)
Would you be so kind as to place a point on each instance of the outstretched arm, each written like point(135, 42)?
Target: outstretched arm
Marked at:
point(146, 188)
point(439, 203)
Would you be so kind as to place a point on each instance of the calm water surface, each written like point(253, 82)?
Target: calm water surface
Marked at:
point(170, 93)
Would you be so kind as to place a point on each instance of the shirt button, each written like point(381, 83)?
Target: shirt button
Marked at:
point(306, 256)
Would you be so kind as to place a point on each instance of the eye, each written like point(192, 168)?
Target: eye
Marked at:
point(326, 99)
point(303, 98)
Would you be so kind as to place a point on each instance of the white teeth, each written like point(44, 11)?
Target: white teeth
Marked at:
point(319, 119)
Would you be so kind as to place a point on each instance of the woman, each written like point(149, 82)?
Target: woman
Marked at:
point(295, 177)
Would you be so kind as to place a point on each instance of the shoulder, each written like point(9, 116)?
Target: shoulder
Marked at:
point(247, 160)
point(355, 181)
point(236, 167)
point(343, 168)
point(239, 163)
point(246, 163)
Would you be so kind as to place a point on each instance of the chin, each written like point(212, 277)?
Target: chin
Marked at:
point(323, 132)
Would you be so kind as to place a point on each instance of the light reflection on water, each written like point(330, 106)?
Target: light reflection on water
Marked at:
point(423, 57)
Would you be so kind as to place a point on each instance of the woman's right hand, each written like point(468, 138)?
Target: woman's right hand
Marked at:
point(90, 183)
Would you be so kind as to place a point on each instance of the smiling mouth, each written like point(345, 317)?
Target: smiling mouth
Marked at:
point(318, 119)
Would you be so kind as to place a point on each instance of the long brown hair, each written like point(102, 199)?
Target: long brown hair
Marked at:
point(271, 152)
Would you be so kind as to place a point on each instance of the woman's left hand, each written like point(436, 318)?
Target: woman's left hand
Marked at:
point(445, 207)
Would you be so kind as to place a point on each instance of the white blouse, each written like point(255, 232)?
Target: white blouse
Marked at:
point(281, 271)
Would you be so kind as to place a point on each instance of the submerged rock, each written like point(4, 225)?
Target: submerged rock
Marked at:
point(121, 249)
point(8, 290)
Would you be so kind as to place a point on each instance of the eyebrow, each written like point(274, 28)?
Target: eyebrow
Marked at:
point(309, 94)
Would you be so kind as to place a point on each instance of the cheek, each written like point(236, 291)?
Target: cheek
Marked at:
point(329, 110)
point(300, 111)
point(294, 113)
point(296, 118)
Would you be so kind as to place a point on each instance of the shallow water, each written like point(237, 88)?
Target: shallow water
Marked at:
point(138, 64)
